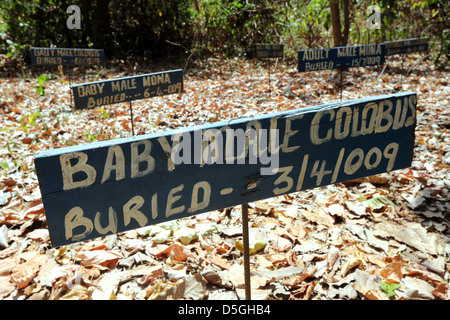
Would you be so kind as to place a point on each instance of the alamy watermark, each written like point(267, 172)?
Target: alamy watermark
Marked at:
point(74, 20)
point(374, 20)
point(228, 146)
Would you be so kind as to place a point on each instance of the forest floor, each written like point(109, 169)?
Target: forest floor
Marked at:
point(381, 237)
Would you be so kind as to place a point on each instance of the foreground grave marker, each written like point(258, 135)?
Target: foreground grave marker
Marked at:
point(106, 187)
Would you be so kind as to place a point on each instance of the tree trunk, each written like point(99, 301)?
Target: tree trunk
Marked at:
point(336, 22)
point(340, 37)
point(346, 22)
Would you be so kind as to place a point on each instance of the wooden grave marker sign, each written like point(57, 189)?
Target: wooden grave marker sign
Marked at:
point(95, 94)
point(41, 56)
point(263, 50)
point(107, 187)
point(406, 46)
point(66, 56)
point(269, 51)
point(341, 58)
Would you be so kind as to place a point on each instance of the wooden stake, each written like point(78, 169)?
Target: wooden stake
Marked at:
point(132, 124)
point(70, 87)
point(268, 66)
point(245, 244)
point(403, 70)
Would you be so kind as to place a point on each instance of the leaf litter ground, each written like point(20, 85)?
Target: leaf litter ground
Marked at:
point(380, 237)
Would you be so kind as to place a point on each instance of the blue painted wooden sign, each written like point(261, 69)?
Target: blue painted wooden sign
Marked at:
point(106, 187)
point(341, 57)
point(98, 93)
point(66, 56)
point(406, 46)
point(268, 50)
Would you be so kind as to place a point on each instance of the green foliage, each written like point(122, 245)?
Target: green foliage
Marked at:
point(305, 24)
point(35, 23)
point(145, 28)
point(28, 121)
point(389, 287)
point(406, 19)
point(89, 136)
point(41, 79)
point(120, 27)
point(156, 28)
point(230, 27)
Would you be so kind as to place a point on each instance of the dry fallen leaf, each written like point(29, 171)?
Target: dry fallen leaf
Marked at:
point(392, 272)
point(351, 263)
point(442, 292)
point(13, 212)
point(103, 258)
point(220, 262)
point(6, 265)
point(179, 252)
point(400, 213)
point(6, 286)
point(23, 273)
point(39, 234)
point(77, 292)
point(304, 292)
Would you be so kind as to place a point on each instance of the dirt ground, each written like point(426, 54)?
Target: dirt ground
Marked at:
point(381, 237)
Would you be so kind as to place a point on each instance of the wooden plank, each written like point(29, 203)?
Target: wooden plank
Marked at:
point(268, 50)
point(406, 46)
point(341, 57)
point(66, 56)
point(111, 186)
point(98, 93)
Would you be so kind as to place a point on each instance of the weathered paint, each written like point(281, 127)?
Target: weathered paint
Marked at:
point(341, 57)
point(406, 46)
point(98, 93)
point(268, 50)
point(66, 56)
point(111, 186)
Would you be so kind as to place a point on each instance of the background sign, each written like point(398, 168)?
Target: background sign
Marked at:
point(111, 186)
point(269, 50)
point(66, 56)
point(95, 94)
point(406, 46)
point(341, 57)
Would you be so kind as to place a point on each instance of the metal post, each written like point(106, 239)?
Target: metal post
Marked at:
point(70, 86)
point(268, 66)
point(401, 74)
point(342, 70)
point(245, 244)
point(131, 113)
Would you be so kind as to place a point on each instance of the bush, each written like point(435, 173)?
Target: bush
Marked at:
point(159, 28)
point(35, 23)
point(120, 27)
